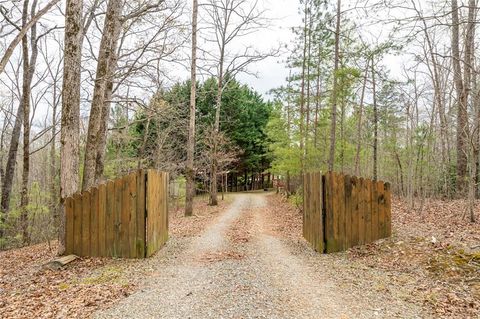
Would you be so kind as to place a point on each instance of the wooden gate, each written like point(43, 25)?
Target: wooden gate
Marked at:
point(342, 211)
point(127, 217)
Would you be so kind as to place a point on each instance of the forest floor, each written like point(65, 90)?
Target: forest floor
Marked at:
point(246, 259)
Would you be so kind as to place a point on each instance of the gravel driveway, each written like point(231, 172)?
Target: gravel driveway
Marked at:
point(239, 269)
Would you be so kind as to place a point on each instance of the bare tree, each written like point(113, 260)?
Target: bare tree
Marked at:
point(190, 172)
point(22, 32)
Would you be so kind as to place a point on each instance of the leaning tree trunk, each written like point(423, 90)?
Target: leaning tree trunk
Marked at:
point(107, 49)
point(105, 116)
point(7, 181)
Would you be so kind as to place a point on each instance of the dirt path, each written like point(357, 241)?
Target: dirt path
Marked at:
point(239, 268)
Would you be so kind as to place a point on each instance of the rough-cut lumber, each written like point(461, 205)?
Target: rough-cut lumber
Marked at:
point(60, 262)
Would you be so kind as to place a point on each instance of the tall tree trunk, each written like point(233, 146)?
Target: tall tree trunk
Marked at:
point(302, 90)
point(317, 98)
point(70, 130)
point(214, 189)
point(107, 101)
point(28, 71)
point(105, 58)
point(53, 160)
point(359, 123)
point(375, 125)
point(190, 170)
point(461, 92)
point(308, 80)
point(333, 128)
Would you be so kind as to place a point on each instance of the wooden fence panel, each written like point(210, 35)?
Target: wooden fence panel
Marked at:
point(77, 224)
point(140, 238)
point(317, 194)
point(157, 211)
point(123, 243)
point(117, 218)
point(127, 217)
point(351, 211)
point(313, 218)
point(164, 229)
point(110, 220)
point(86, 224)
point(102, 214)
point(132, 222)
point(329, 226)
point(69, 227)
point(368, 211)
point(94, 222)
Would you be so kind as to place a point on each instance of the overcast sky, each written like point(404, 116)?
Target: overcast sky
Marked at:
point(272, 72)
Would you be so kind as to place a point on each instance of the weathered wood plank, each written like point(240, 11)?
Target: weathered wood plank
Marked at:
point(348, 189)
point(125, 218)
point(86, 224)
point(166, 208)
point(331, 242)
point(69, 227)
point(110, 219)
point(319, 223)
point(132, 232)
point(355, 212)
point(151, 204)
point(94, 222)
point(117, 218)
point(77, 224)
point(374, 211)
point(341, 226)
point(363, 211)
point(368, 219)
point(141, 215)
point(102, 207)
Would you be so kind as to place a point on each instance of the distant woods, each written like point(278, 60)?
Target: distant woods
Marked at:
point(414, 123)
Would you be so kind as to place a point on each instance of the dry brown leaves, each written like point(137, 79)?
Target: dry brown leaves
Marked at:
point(437, 247)
point(217, 256)
point(433, 247)
point(181, 226)
point(283, 217)
point(28, 290)
point(241, 230)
